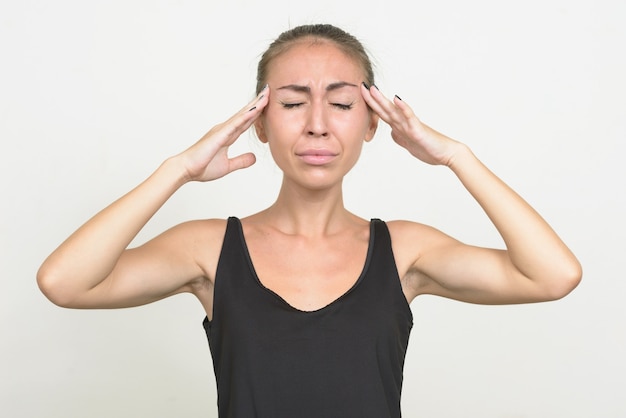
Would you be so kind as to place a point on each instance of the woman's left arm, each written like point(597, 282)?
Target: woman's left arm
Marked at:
point(536, 265)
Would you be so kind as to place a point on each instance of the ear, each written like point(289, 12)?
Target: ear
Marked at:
point(260, 130)
point(371, 130)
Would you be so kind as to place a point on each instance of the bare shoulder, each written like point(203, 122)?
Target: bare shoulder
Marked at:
point(409, 233)
point(411, 241)
point(206, 228)
point(205, 238)
point(196, 242)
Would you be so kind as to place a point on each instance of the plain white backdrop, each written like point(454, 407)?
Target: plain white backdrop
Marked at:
point(94, 95)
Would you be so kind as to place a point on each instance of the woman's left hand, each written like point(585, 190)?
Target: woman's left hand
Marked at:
point(408, 131)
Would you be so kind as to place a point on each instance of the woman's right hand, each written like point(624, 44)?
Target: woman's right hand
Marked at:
point(208, 158)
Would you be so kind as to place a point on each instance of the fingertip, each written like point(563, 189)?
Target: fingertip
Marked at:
point(262, 92)
point(376, 93)
point(265, 92)
point(400, 103)
point(263, 98)
point(260, 100)
point(243, 161)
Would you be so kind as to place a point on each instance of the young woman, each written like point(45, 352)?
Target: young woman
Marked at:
point(307, 304)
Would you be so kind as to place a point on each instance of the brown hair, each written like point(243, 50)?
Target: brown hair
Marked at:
point(350, 45)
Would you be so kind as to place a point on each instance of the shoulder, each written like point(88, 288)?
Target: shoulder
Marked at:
point(413, 234)
point(202, 239)
point(201, 230)
point(412, 240)
point(407, 242)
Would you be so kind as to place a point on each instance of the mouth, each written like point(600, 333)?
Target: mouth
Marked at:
point(317, 157)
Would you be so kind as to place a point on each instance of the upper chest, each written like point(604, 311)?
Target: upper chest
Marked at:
point(307, 273)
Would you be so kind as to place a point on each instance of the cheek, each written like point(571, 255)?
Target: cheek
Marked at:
point(355, 122)
point(277, 121)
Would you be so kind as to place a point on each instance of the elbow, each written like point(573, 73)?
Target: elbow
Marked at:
point(565, 281)
point(53, 287)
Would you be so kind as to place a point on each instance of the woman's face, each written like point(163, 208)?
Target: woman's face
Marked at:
point(316, 119)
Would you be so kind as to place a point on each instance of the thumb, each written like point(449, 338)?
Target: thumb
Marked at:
point(241, 161)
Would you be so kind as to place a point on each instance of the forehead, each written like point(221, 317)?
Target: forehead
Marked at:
point(315, 60)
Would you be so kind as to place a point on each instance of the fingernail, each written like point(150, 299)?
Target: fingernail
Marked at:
point(365, 85)
point(375, 86)
point(252, 108)
point(398, 97)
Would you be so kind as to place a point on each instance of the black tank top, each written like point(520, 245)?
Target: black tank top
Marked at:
point(344, 360)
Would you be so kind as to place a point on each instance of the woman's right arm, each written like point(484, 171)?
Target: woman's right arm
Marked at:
point(94, 269)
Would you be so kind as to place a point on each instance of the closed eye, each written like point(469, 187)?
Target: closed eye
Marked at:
point(290, 105)
point(343, 106)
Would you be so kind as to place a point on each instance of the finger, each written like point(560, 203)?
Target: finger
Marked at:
point(388, 107)
point(404, 107)
point(399, 114)
point(242, 120)
point(385, 108)
point(368, 95)
point(255, 107)
point(258, 101)
point(241, 161)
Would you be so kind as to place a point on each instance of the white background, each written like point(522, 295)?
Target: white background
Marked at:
point(94, 95)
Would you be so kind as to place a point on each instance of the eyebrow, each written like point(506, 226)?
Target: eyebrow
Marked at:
point(307, 89)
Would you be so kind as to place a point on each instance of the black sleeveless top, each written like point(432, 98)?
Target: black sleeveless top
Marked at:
point(344, 360)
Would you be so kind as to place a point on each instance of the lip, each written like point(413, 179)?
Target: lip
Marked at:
point(316, 156)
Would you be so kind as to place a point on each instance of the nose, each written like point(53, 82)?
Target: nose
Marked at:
point(316, 123)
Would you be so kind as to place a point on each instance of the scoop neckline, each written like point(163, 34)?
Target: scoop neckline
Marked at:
point(359, 279)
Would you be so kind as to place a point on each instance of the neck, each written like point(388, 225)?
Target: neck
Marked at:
point(308, 212)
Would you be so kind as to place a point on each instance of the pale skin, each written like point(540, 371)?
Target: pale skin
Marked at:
point(315, 113)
